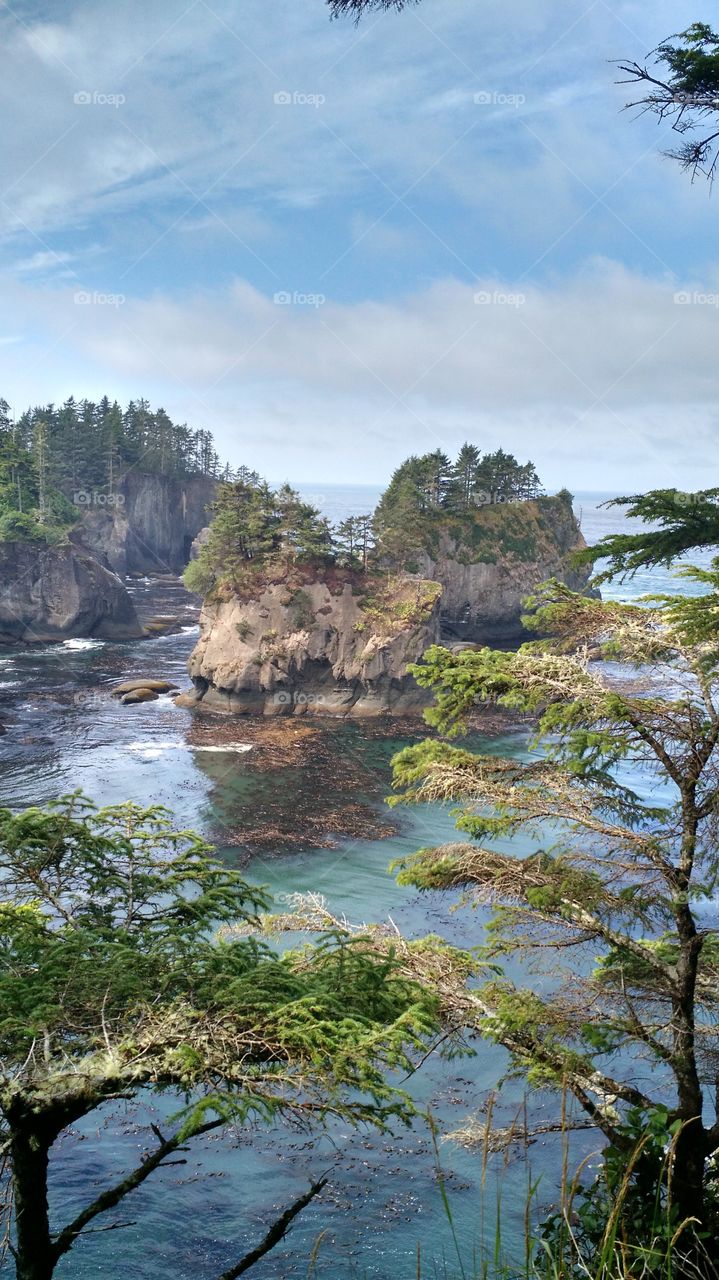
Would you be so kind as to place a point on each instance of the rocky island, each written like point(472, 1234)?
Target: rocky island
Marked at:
point(299, 617)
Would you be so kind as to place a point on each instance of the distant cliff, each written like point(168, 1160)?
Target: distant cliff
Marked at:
point(339, 644)
point(150, 523)
point(487, 569)
point(53, 593)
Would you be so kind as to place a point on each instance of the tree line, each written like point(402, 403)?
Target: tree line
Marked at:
point(253, 523)
point(429, 491)
point(51, 455)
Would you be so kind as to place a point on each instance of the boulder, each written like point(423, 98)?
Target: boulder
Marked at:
point(156, 686)
point(139, 695)
point(55, 593)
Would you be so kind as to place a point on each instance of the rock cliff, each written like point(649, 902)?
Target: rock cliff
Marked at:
point(510, 550)
point(334, 646)
point(54, 593)
point(150, 524)
point(342, 644)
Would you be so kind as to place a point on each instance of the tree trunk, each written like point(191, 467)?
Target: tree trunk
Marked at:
point(35, 1257)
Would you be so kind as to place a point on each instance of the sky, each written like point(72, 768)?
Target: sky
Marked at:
point(334, 246)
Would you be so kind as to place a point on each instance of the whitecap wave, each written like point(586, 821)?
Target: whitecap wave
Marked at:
point(155, 750)
point(82, 644)
point(238, 747)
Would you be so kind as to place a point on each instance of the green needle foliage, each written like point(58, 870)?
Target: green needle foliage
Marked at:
point(680, 523)
point(683, 87)
point(620, 885)
point(114, 979)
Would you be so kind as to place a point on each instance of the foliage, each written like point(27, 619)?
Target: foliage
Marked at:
point(396, 603)
point(356, 8)
point(354, 542)
point(685, 521)
point(254, 525)
point(622, 877)
point(53, 461)
point(114, 980)
point(31, 508)
point(430, 492)
point(683, 88)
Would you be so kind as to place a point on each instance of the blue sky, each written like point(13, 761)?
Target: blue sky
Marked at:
point(335, 245)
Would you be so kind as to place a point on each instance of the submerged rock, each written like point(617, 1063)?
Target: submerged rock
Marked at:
point(54, 593)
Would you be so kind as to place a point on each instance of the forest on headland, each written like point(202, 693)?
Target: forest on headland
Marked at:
point(52, 457)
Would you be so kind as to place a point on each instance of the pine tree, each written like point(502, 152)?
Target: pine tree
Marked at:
point(114, 982)
point(623, 877)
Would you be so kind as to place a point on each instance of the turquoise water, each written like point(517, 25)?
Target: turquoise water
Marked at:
point(383, 1201)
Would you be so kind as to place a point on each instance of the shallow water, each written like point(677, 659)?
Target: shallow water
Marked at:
point(300, 806)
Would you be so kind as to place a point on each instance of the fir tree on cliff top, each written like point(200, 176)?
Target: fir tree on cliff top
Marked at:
point(254, 526)
point(430, 492)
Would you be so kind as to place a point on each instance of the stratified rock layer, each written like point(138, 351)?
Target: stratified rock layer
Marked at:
point(54, 593)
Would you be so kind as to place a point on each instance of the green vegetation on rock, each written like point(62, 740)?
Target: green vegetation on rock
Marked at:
point(469, 500)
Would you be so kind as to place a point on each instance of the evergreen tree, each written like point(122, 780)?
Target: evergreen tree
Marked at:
point(462, 489)
point(679, 522)
point(114, 983)
point(625, 876)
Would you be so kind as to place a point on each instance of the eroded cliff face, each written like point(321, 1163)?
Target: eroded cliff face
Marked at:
point(54, 593)
point(150, 525)
point(328, 647)
point(514, 548)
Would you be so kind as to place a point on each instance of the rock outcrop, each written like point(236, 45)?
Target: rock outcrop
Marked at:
point(515, 547)
point(342, 644)
point(150, 524)
point(54, 593)
point(328, 647)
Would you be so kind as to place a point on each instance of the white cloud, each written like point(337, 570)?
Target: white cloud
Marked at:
point(608, 378)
